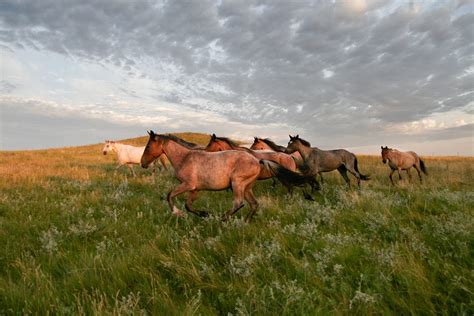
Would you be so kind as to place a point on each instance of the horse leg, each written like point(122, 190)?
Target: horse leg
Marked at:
point(343, 171)
point(289, 188)
point(130, 166)
point(321, 177)
point(274, 183)
point(409, 174)
point(399, 170)
point(183, 187)
point(237, 203)
point(314, 184)
point(356, 174)
point(418, 169)
point(250, 198)
point(189, 204)
point(390, 176)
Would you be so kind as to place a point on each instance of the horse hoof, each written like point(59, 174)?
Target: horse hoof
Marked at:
point(203, 214)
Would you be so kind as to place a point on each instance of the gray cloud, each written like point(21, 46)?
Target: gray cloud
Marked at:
point(325, 69)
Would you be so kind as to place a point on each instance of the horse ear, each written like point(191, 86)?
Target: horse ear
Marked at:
point(213, 136)
point(255, 139)
point(297, 136)
point(291, 137)
point(381, 147)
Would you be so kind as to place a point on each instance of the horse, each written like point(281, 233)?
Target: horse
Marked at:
point(283, 167)
point(318, 160)
point(199, 170)
point(268, 144)
point(128, 155)
point(398, 160)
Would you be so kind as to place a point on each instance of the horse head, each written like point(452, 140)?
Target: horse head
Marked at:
point(153, 149)
point(385, 151)
point(217, 144)
point(294, 143)
point(108, 146)
point(257, 144)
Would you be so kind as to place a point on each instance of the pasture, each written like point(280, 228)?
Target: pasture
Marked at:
point(78, 237)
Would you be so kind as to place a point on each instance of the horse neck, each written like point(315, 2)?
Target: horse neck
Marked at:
point(393, 155)
point(175, 152)
point(117, 147)
point(305, 151)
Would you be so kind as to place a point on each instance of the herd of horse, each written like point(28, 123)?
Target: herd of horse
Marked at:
point(224, 164)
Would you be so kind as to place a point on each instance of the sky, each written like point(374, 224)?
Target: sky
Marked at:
point(342, 74)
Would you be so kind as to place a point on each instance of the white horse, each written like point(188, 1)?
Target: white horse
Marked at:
point(128, 155)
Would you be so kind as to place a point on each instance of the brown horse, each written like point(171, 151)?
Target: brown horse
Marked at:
point(318, 160)
point(398, 161)
point(224, 143)
point(199, 170)
point(268, 144)
point(279, 164)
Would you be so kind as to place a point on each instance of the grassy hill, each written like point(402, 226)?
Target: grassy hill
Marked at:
point(79, 237)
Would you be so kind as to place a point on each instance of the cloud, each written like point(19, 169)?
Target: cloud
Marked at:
point(323, 69)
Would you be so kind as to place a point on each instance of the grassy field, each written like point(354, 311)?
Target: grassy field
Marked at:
point(78, 237)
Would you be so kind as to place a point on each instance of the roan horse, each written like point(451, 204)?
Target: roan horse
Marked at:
point(318, 160)
point(278, 164)
point(128, 155)
point(398, 160)
point(199, 170)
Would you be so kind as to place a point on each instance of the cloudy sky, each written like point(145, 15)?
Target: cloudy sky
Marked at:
point(354, 74)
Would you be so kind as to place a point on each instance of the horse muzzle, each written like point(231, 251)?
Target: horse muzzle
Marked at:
point(104, 152)
point(144, 165)
point(384, 161)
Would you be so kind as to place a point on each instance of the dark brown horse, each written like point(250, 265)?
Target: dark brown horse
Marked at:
point(280, 165)
point(199, 170)
point(398, 161)
point(318, 160)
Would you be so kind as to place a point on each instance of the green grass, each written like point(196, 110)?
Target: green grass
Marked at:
point(79, 237)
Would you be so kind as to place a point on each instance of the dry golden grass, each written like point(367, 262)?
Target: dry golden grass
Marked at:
point(20, 168)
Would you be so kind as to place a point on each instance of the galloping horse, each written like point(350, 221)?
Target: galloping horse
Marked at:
point(200, 170)
point(279, 164)
point(398, 160)
point(318, 160)
point(268, 144)
point(128, 155)
point(224, 143)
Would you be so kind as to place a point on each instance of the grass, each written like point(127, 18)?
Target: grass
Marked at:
point(80, 238)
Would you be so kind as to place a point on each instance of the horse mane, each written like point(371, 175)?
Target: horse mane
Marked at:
point(180, 141)
point(234, 144)
point(272, 145)
point(228, 141)
point(304, 142)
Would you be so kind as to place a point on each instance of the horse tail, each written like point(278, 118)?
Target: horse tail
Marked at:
point(423, 167)
point(362, 176)
point(288, 177)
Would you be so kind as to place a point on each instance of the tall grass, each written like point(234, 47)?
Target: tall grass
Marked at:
point(79, 237)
